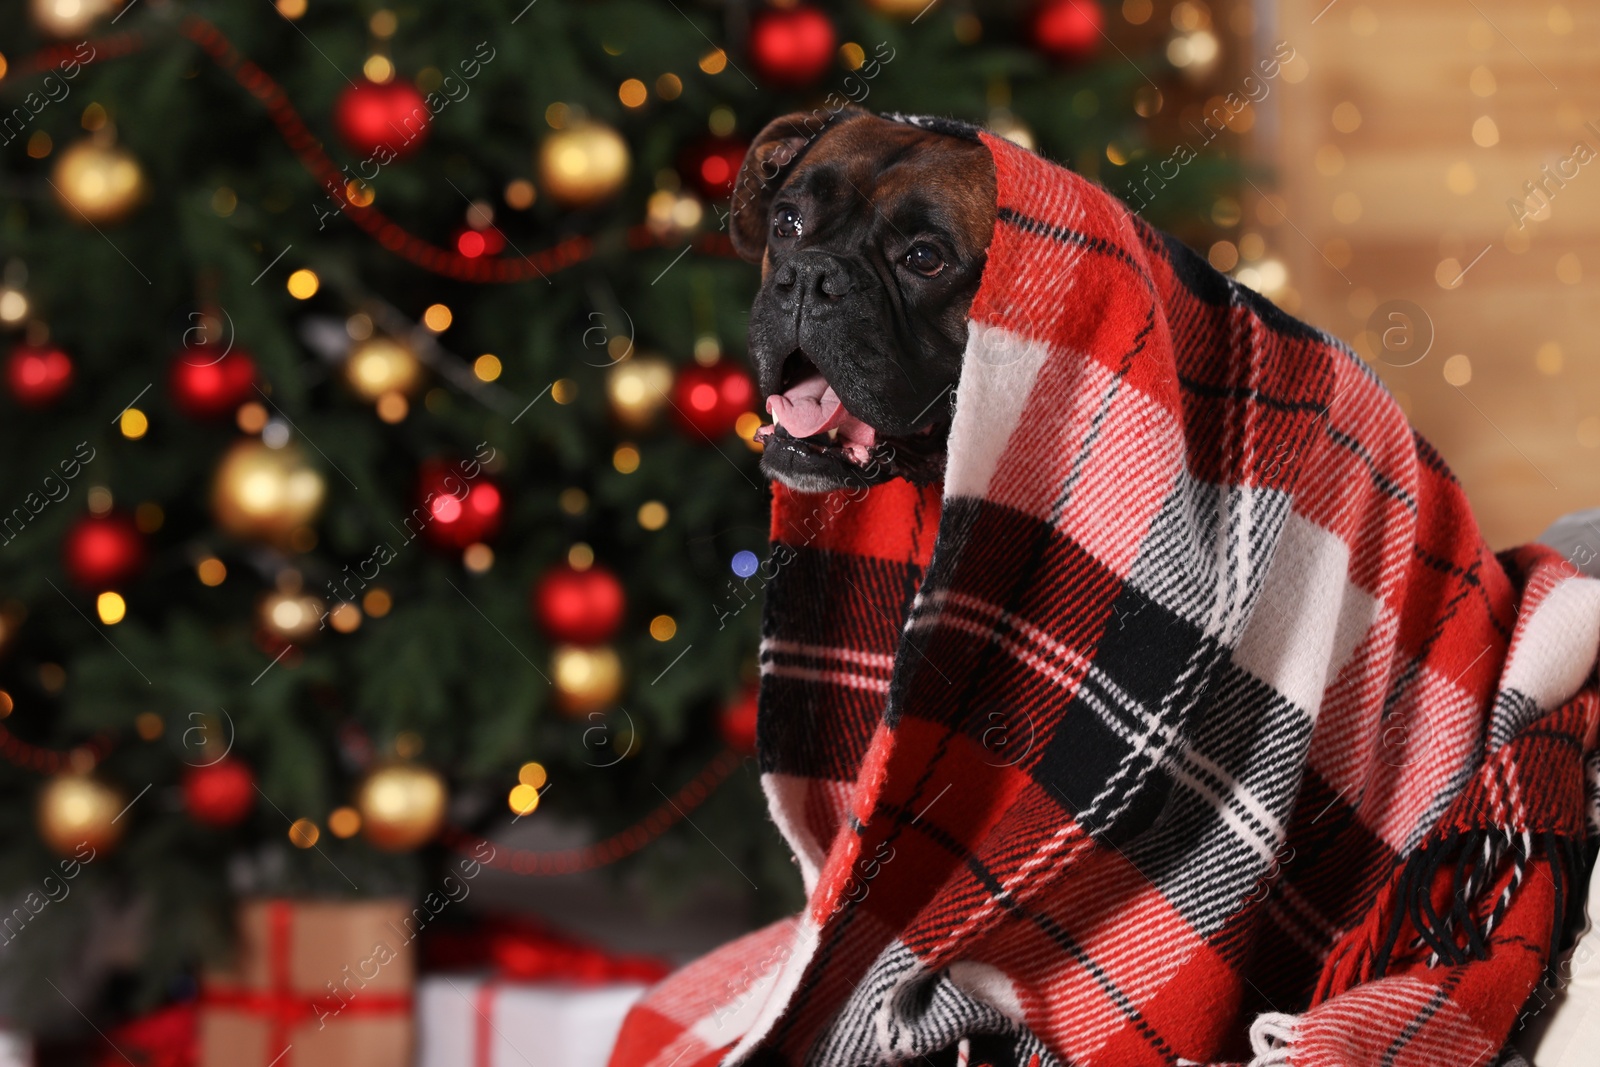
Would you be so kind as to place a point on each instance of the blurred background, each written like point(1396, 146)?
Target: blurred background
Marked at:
point(380, 524)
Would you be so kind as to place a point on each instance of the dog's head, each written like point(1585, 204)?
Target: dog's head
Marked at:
point(871, 235)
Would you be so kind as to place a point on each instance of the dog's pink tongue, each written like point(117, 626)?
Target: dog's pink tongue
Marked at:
point(806, 408)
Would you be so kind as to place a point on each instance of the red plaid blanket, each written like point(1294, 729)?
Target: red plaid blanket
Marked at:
point(1191, 720)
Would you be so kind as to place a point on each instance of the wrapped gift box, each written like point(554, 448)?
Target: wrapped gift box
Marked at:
point(163, 1038)
point(316, 984)
point(486, 1022)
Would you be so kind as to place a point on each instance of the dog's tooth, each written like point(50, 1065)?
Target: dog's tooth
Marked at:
point(833, 434)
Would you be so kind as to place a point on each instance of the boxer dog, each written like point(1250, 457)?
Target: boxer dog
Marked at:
point(871, 235)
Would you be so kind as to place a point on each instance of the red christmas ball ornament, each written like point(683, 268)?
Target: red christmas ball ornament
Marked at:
point(711, 399)
point(738, 724)
point(712, 165)
point(579, 607)
point(208, 382)
point(473, 243)
point(390, 117)
point(102, 551)
point(791, 47)
point(1068, 29)
point(38, 376)
point(460, 511)
point(219, 794)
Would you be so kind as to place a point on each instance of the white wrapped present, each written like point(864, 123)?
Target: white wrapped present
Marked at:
point(472, 1021)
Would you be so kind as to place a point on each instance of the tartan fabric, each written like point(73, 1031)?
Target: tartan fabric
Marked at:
point(1190, 720)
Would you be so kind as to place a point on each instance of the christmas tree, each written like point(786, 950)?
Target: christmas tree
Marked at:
point(378, 440)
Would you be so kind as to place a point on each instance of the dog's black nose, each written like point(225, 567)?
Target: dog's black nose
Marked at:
point(813, 275)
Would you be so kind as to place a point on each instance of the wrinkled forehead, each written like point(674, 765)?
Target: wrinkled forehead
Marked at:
point(912, 176)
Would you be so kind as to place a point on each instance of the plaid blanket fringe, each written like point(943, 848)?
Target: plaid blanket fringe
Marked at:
point(1189, 721)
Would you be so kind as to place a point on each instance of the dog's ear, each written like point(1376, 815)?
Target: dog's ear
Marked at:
point(765, 167)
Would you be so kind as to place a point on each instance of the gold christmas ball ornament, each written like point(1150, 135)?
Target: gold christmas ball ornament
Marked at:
point(76, 810)
point(98, 182)
point(62, 18)
point(381, 366)
point(637, 389)
point(265, 494)
point(402, 806)
point(583, 164)
point(587, 678)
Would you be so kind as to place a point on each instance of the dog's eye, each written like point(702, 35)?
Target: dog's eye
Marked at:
point(786, 223)
point(924, 259)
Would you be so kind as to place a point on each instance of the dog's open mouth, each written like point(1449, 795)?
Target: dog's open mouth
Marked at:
point(810, 412)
